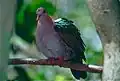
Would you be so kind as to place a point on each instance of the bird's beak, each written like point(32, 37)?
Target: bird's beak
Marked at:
point(38, 17)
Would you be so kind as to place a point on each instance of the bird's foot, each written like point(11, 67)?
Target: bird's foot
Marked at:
point(56, 60)
point(60, 60)
point(51, 60)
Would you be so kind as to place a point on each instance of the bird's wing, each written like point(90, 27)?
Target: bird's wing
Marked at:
point(71, 36)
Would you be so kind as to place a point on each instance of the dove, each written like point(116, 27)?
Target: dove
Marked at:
point(60, 39)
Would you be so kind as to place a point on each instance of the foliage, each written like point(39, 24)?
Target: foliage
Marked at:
point(26, 17)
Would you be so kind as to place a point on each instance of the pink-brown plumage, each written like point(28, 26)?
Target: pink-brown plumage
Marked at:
point(60, 39)
point(48, 40)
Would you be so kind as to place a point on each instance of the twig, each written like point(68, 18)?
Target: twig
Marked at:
point(65, 64)
point(25, 48)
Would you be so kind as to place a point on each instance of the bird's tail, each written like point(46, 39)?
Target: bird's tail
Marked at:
point(79, 74)
point(76, 73)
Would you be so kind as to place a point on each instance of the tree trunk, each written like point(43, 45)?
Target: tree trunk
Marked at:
point(106, 16)
point(7, 9)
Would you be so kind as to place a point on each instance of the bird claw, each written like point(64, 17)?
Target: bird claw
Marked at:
point(51, 60)
point(60, 60)
point(56, 60)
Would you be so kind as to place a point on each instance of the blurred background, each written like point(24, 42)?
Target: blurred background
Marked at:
point(23, 40)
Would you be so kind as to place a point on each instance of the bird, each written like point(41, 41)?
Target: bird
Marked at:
point(60, 39)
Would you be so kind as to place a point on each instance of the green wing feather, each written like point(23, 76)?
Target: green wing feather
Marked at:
point(71, 36)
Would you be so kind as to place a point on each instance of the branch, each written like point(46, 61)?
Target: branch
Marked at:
point(25, 48)
point(65, 64)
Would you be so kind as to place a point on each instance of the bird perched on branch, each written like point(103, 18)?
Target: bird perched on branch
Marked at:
point(60, 39)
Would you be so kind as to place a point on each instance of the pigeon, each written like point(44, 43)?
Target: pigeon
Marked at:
point(60, 39)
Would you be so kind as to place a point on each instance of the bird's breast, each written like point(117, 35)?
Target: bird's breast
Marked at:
point(49, 43)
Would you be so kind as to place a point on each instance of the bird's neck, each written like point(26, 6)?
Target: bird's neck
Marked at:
point(45, 19)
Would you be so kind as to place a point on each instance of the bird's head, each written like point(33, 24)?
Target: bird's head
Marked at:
point(40, 11)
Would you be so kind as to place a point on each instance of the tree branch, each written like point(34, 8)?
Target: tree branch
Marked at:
point(24, 47)
point(65, 64)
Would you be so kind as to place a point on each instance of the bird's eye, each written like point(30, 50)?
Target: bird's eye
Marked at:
point(38, 10)
point(44, 11)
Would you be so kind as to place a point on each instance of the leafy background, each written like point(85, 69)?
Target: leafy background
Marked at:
point(23, 39)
